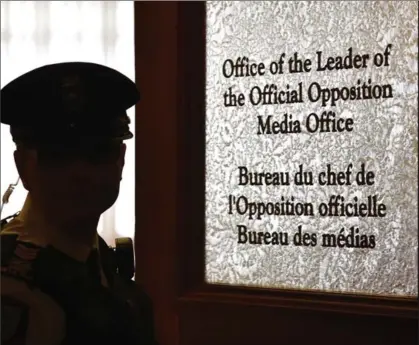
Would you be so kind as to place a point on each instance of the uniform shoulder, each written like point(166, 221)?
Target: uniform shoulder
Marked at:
point(17, 257)
point(14, 320)
point(19, 300)
point(28, 314)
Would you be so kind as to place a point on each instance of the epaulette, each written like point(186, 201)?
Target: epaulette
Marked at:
point(17, 257)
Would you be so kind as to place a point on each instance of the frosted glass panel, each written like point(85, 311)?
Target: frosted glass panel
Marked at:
point(311, 145)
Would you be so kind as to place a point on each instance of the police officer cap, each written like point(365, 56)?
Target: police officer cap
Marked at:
point(68, 102)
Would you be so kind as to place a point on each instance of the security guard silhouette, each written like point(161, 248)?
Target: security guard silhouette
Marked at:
point(59, 281)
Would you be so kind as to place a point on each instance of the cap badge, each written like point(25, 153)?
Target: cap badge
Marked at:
point(72, 93)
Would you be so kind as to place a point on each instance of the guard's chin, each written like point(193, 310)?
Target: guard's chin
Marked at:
point(95, 205)
point(106, 202)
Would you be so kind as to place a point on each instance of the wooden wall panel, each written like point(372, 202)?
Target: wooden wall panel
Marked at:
point(228, 324)
point(170, 144)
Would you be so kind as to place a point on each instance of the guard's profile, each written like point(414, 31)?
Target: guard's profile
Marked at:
point(60, 282)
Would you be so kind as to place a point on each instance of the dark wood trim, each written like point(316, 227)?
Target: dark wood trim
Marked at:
point(191, 203)
point(156, 160)
point(191, 129)
point(209, 323)
point(407, 309)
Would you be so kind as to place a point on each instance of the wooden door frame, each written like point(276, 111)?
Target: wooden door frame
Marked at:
point(170, 176)
point(156, 63)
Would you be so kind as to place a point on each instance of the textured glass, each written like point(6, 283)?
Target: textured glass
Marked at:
point(384, 139)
